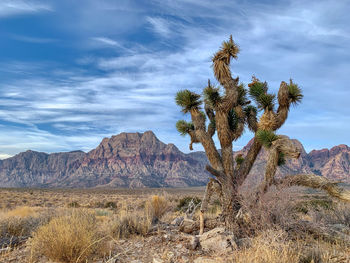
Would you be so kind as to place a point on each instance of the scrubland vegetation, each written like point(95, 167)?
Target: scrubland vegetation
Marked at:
point(286, 226)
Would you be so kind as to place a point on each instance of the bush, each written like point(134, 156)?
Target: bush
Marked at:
point(128, 224)
point(69, 238)
point(110, 205)
point(156, 207)
point(73, 204)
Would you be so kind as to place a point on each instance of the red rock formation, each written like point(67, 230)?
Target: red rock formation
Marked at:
point(141, 160)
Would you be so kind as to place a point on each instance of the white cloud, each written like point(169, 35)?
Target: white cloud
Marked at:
point(106, 40)
point(136, 91)
point(16, 7)
point(159, 26)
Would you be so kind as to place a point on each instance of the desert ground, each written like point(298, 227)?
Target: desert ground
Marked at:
point(156, 225)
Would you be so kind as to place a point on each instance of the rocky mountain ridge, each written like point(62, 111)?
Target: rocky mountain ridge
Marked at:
point(141, 160)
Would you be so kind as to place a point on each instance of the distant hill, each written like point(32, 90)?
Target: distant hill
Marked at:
point(141, 160)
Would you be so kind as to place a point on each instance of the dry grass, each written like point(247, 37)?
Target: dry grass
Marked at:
point(81, 234)
point(156, 207)
point(268, 247)
point(22, 221)
point(22, 211)
point(128, 224)
point(68, 238)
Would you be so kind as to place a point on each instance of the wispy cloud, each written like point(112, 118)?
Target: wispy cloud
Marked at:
point(106, 41)
point(159, 26)
point(29, 39)
point(16, 7)
point(128, 74)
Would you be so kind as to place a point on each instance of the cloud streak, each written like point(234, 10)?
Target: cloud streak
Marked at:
point(126, 81)
point(18, 7)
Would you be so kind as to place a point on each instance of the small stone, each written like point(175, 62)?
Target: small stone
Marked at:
point(217, 240)
point(179, 246)
point(157, 260)
point(205, 260)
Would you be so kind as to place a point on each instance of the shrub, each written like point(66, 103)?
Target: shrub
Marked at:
point(156, 207)
point(73, 204)
point(69, 238)
point(128, 224)
point(110, 205)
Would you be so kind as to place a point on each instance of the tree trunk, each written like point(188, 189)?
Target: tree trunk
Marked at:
point(231, 204)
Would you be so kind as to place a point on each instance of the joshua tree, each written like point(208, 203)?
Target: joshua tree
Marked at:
point(229, 111)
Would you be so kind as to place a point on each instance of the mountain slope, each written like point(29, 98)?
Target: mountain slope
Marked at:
point(141, 160)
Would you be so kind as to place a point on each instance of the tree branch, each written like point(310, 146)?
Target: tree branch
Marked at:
point(317, 182)
point(248, 162)
point(216, 173)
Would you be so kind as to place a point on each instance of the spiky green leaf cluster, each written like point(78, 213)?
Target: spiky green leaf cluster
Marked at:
point(257, 88)
point(212, 96)
point(184, 127)
point(242, 95)
point(250, 110)
point(295, 93)
point(233, 119)
point(239, 159)
point(188, 100)
point(266, 137)
point(266, 101)
point(281, 159)
point(258, 91)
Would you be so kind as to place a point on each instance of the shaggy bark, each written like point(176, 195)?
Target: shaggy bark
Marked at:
point(316, 182)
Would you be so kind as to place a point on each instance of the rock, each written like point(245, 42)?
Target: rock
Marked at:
point(157, 260)
point(205, 260)
point(217, 240)
point(189, 226)
point(194, 243)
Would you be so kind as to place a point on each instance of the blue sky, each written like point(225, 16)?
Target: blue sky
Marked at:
point(73, 72)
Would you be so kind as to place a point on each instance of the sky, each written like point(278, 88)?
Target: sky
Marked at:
point(74, 72)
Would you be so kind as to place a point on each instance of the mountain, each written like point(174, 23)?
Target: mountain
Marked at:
point(141, 160)
point(124, 160)
point(333, 163)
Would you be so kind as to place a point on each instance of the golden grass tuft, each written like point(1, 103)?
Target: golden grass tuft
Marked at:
point(269, 246)
point(68, 238)
point(129, 223)
point(22, 211)
point(156, 207)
